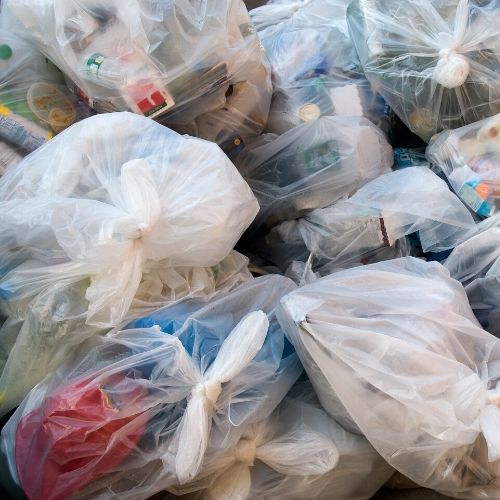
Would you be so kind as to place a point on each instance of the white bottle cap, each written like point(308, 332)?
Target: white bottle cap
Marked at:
point(309, 112)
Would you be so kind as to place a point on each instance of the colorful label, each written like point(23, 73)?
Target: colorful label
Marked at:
point(94, 63)
point(470, 193)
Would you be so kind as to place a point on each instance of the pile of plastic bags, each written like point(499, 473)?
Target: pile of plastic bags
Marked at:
point(249, 256)
point(200, 68)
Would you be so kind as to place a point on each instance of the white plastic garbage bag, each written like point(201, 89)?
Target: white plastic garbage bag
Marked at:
point(315, 68)
point(299, 452)
point(313, 165)
point(435, 62)
point(394, 351)
point(135, 414)
point(109, 199)
point(476, 264)
point(379, 215)
point(38, 335)
point(470, 159)
point(34, 102)
point(198, 66)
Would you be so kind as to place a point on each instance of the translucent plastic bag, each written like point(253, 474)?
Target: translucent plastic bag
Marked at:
point(312, 165)
point(379, 215)
point(299, 452)
point(315, 68)
point(78, 236)
point(407, 365)
point(470, 159)
point(34, 102)
point(200, 67)
point(135, 414)
point(40, 334)
point(476, 264)
point(434, 61)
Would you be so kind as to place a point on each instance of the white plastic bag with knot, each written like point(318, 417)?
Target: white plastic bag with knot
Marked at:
point(435, 62)
point(394, 352)
point(133, 413)
point(86, 214)
point(298, 452)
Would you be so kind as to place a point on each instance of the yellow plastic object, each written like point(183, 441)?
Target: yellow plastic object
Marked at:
point(51, 106)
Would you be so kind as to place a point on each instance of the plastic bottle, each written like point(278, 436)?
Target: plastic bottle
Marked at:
point(135, 79)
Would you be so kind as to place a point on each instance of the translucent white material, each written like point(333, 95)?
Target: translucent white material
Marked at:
point(394, 351)
point(299, 452)
point(34, 102)
point(435, 62)
point(40, 334)
point(83, 217)
point(476, 264)
point(377, 216)
point(315, 68)
point(313, 165)
point(136, 411)
point(198, 66)
point(470, 159)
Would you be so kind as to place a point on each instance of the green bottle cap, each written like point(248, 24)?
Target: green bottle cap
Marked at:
point(5, 52)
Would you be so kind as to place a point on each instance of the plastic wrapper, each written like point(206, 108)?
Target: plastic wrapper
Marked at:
point(436, 63)
point(315, 68)
point(373, 224)
point(135, 414)
point(476, 264)
point(34, 102)
point(470, 159)
point(408, 366)
point(312, 165)
point(299, 452)
point(123, 196)
point(200, 68)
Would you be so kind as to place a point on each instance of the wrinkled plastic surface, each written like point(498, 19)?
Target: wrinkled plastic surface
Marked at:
point(124, 419)
point(312, 165)
point(199, 66)
point(299, 452)
point(436, 63)
point(315, 68)
point(407, 365)
point(470, 159)
point(39, 335)
point(379, 215)
point(34, 102)
point(123, 196)
point(476, 264)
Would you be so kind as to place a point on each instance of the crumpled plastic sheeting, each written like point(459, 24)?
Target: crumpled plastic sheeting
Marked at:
point(436, 63)
point(394, 351)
